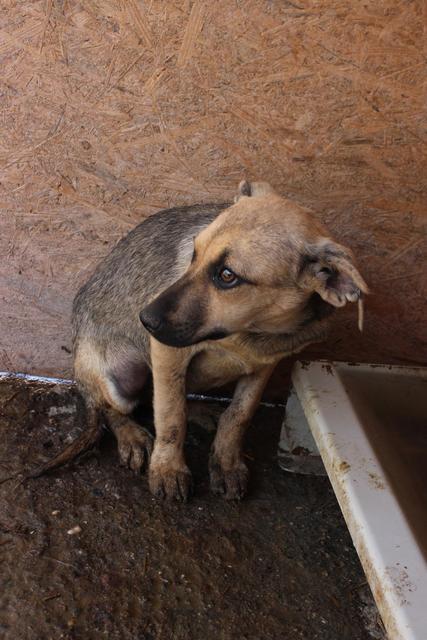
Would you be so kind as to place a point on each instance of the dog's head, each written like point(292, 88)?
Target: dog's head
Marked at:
point(265, 265)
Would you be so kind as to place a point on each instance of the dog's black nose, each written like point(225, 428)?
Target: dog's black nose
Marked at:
point(151, 322)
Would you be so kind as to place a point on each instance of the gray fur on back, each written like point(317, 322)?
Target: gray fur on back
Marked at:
point(144, 263)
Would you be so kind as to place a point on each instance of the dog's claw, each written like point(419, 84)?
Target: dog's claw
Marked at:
point(170, 484)
point(229, 483)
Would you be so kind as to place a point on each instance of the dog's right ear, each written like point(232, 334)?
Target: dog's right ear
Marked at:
point(253, 189)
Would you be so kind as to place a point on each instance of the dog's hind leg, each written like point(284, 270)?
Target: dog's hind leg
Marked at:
point(134, 443)
point(110, 381)
point(125, 377)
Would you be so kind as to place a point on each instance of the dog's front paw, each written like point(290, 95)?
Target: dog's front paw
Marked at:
point(170, 483)
point(232, 482)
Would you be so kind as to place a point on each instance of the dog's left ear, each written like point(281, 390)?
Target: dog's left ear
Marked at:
point(328, 268)
point(253, 189)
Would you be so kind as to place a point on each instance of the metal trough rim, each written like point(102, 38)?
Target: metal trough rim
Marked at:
point(389, 553)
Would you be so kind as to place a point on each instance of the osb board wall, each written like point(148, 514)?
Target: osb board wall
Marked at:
point(112, 109)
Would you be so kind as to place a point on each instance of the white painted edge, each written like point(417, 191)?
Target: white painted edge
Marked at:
point(394, 565)
point(4, 375)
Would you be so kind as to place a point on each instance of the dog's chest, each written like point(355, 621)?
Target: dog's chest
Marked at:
point(215, 368)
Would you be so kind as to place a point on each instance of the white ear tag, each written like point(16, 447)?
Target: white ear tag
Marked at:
point(360, 313)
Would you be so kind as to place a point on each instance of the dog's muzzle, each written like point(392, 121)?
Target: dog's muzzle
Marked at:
point(182, 335)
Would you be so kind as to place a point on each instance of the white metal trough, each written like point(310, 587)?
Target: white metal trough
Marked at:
point(370, 426)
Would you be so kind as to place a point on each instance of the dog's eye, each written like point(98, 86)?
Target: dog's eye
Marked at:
point(225, 278)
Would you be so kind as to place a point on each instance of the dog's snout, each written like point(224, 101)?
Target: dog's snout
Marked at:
point(151, 322)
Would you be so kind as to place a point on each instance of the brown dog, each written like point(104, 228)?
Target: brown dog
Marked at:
point(223, 293)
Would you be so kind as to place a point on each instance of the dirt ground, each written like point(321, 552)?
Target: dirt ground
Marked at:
point(87, 552)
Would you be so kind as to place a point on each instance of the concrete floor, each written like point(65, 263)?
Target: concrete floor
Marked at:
point(278, 565)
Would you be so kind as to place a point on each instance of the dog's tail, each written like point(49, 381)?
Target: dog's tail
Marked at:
point(83, 443)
